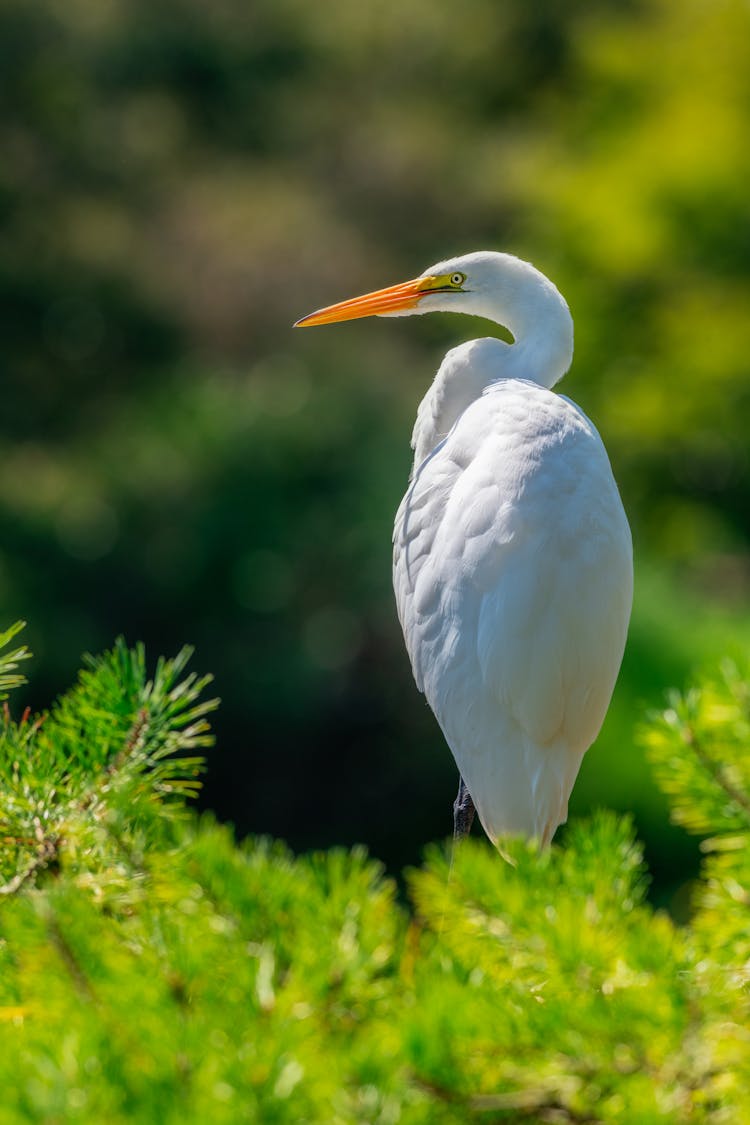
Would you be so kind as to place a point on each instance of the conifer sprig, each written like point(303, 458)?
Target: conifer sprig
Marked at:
point(112, 754)
point(9, 661)
point(698, 747)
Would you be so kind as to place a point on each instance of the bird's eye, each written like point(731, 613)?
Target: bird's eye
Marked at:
point(458, 279)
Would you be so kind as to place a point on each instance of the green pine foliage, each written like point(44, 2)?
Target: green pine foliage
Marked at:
point(9, 661)
point(152, 969)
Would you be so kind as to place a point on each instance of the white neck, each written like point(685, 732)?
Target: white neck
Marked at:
point(517, 296)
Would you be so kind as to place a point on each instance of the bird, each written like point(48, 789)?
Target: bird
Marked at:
point(512, 552)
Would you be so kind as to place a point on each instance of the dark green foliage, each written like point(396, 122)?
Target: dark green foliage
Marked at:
point(152, 969)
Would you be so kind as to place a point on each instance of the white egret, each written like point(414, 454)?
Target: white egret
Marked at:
point(512, 561)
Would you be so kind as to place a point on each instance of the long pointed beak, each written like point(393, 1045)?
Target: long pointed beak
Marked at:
point(394, 299)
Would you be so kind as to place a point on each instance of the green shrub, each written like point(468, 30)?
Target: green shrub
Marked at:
point(152, 969)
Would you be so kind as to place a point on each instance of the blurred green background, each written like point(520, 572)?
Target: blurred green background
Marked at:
point(180, 181)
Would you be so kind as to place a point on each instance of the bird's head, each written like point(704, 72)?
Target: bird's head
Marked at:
point(486, 283)
point(496, 286)
point(439, 288)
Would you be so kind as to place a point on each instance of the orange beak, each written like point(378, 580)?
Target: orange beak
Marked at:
point(394, 299)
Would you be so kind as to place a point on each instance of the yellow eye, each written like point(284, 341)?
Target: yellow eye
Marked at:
point(458, 279)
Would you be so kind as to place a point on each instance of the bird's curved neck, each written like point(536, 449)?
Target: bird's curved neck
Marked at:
point(530, 306)
point(537, 315)
point(469, 369)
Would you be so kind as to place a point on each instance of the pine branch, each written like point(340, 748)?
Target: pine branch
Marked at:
point(46, 852)
point(717, 772)
point(9, 661)
point(112, 750)
point(697, 746)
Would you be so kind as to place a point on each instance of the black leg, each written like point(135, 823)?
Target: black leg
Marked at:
point(463, 812)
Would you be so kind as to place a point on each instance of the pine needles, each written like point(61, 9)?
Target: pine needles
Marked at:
point(154, 970)
point(9, 676)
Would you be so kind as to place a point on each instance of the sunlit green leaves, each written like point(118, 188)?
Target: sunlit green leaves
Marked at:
point(238, 985)
point(555, 986)
point(698, 747)
point(153, 969)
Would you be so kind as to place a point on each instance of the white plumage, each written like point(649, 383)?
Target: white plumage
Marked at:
point(512, 561)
